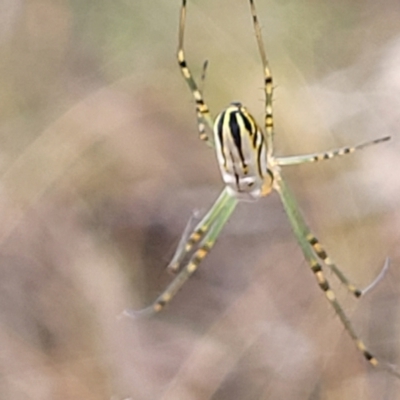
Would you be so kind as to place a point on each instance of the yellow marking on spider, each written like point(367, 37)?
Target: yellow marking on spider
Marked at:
point(361, 345)
point(192, 267)
point(157, 307)
point(201, 253)
point(330, 295)
point(165, 298)
point(352, 288)
point(320, 277)
point(374, 361)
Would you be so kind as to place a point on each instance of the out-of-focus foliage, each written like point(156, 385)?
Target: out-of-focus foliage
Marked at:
point(101, 168)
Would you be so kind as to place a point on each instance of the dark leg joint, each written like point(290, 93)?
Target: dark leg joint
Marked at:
point(161, 303)
point(313, 241)
point(268, 80)
point(316, 268)
point(324, 286)
point(322, 254)
point(368, 355)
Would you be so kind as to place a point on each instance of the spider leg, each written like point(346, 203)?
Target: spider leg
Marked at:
point(190, 239)
point(323, 255)
point(327, 155)
point(301, 231)
point(268, 84)
point(202, 110)
point(180, 251)
point(205, 245)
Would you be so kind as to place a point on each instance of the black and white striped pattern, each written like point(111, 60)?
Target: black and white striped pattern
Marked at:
point(241, 152)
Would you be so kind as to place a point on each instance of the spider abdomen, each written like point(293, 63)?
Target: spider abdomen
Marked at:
point(241, 151)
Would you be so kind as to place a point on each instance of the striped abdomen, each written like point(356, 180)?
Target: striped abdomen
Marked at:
point(241, 152)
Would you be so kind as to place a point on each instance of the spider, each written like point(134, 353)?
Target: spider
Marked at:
point(250, 170)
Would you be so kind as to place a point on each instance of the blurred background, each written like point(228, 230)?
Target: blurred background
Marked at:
point(101, 168)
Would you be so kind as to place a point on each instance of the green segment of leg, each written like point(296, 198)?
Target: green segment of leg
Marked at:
point(308, 239)
point(188, 241)
point(327, 155)
point(301, 231)
point(204, 248)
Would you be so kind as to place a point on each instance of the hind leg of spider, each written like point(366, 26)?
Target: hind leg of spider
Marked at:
point(204, 118)
point(324, 257)
point(268, 84)
point(190, 238)
point(205, 246)
point(297, 222)
point(327, 155)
